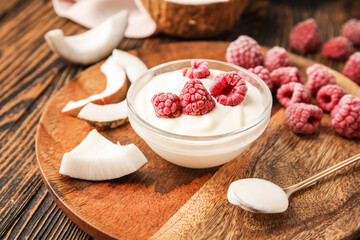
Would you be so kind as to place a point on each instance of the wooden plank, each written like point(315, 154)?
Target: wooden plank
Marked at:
point(28, 77)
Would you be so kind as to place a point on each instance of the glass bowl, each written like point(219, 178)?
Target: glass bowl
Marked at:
point(198, 151)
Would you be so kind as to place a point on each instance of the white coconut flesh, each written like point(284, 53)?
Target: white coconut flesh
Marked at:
point(195, 2)
point(104, 113)
point(97, 159)
point(133, 66)
point(92, 13)
point(93, 45)
point(115, 81)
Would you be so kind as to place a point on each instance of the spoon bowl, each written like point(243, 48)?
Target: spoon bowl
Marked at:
point(258, 196)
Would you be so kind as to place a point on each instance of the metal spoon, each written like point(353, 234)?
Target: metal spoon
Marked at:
point(262, 196)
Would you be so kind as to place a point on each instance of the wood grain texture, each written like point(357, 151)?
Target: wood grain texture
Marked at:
point(26, 209)
point(134, 206)
point(29, 75)
point(157, 186)
point(324, 211)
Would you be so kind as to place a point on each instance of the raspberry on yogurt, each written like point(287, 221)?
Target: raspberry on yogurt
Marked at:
point(195, 99)
point(166, 105)
point(228, 88)
point(199, 69)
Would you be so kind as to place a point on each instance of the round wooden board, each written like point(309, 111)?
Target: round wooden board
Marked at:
point(165, 201)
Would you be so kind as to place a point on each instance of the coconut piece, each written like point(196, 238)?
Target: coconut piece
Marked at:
point(115, 91)
point(133, 66)
point(105, 117)
point(91, 46)
point(195, 19)
point(97, 159)
point(91, 13)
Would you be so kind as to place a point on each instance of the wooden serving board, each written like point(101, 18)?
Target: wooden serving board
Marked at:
point(164, 201)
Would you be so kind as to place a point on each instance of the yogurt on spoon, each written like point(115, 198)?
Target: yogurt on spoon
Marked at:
point(258, 195)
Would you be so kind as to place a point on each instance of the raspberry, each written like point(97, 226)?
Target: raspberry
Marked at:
point(199, 69)
point(195, 99)
point(166, 105)
point(338, 48)
point(318, 76)
point(346, 117)
point(276, 57)
point(264, 74)
point(228, 88)
point(244, 52)
point(293, 92)
point(285, 75)
point(351, 30)
point(352, 68)
point(305, 37)
point(328, 96)
point(303, 118)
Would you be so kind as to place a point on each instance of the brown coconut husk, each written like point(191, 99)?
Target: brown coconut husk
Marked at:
point(195, 21)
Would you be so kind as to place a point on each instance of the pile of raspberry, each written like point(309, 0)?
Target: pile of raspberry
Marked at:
point(305, 118)
point(287, 83)
point(305, 37)
point(228, 88)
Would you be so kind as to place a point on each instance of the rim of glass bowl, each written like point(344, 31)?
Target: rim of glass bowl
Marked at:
point(172, 136)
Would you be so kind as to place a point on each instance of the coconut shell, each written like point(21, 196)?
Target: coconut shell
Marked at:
point(104, 126)
point(195, 21)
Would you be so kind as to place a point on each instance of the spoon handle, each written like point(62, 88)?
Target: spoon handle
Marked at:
point(313, 179)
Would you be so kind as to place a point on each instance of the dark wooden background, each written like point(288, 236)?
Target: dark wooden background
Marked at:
point(30, 73)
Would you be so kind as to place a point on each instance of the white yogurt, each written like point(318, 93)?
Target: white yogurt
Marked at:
point(259, 195)
point(220, 120)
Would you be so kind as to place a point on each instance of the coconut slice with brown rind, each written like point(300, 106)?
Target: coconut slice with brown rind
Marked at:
point(109, 116)
point(115, 91)
point(105, 117)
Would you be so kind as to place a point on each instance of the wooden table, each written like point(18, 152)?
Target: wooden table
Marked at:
point(30, 73)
